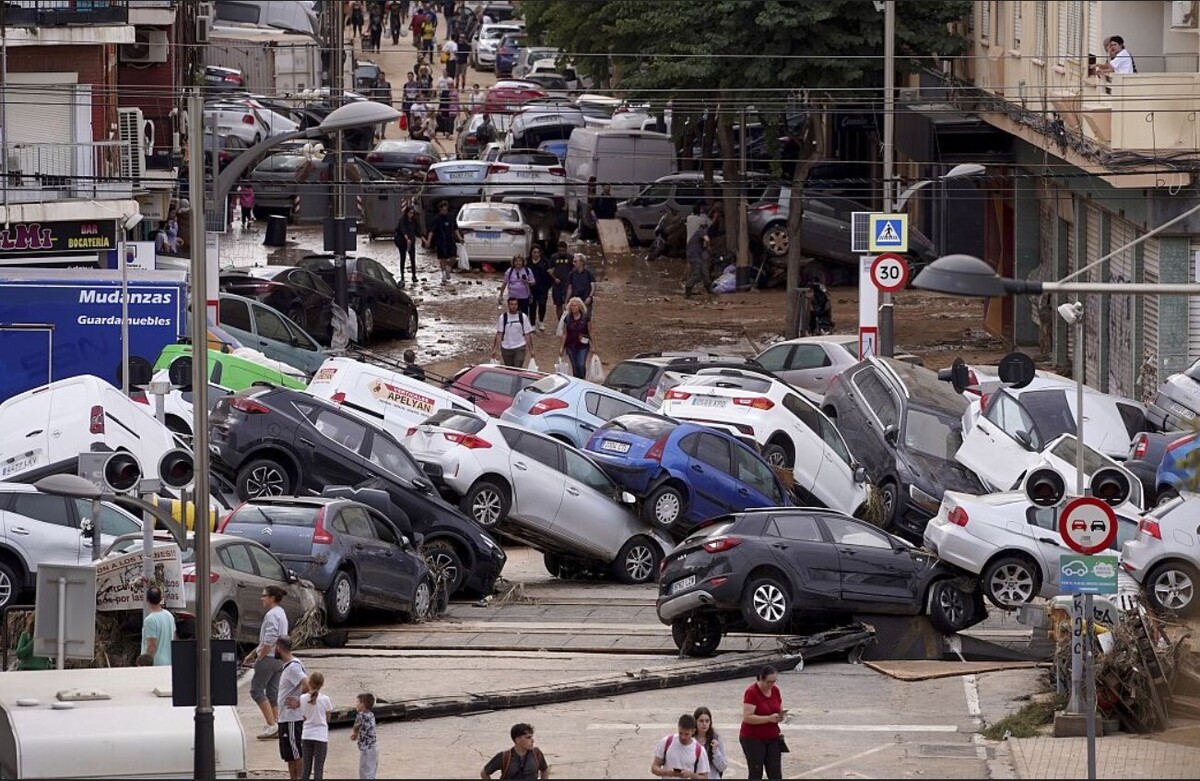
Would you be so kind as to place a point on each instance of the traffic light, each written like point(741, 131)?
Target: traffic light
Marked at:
point(176, 469)
point(117, 473)
point(1045, 487)
point(1111, 486)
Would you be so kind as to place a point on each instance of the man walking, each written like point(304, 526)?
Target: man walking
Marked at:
point(523, 760)
point(158, 629)
point(560, 267)
point(443, 237)
point(697, 251)
point(581, 283)
point(293, 682)
point(264, 685)
point(681, 755)
point(514, 335)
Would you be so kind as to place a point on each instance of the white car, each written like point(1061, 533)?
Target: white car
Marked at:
point(1164, 556)
point(814, 362)
point(248, 120)
point(483, 50)
point(788, 429)
point(1017, 424)
point(1011, 544)
point(494, 232)
point(597, 109)
point(539, 491)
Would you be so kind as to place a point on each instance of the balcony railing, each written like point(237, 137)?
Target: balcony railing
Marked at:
point(58, 13)
point(33, 173)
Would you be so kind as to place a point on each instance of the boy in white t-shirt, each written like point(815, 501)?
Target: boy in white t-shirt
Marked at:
point(681, 755)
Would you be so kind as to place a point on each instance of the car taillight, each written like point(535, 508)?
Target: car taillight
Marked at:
point(514, 231)
point(1181, 442)
point(1150, 528)
point(769, 208)
point(140, 397)
point(423, 160)
point(411, 430)
point(248, 406)
point(374, 157)
point(497, 168)
point(655, 453)
point(1141, 444)
point(247, 119)
point(972, 378)
point(469, 441)
point(722, 544)
point(958, 516)
point(558, 170)
point(338, 397)
point(756, 402)
point(431, 176)
point(233, 77)
point(229, 515)
point(983, 400)
point(96, 420)
point(677, 395)
point(320, 535)
point(356, 278)
point(472, 139)
point(547, 405)
point(190, 577)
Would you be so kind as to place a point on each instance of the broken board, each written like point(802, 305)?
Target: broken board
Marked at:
point(612, 237)
point(925, 670)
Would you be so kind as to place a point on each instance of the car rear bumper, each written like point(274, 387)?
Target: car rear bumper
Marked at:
point(671, 608)
point(1166, 417)
point(954, 546)
point(635, 479)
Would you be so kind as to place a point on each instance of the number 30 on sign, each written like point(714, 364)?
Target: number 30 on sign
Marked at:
point(889, 272)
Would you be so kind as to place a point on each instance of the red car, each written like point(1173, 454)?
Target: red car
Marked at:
point(492, 386)
point(508, 97)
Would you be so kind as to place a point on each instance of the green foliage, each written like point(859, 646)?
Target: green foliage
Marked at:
point(1026, 722)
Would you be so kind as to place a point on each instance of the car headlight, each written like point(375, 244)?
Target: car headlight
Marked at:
point(488, 542)
point(924, 500)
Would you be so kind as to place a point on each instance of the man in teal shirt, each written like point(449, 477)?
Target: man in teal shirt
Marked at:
point(158, 629)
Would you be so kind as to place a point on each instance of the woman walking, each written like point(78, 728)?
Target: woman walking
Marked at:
point(577, 343)
point(762, 712)
point(519, 283)
point(543, 280)
point(708, 738)
point(405, 238)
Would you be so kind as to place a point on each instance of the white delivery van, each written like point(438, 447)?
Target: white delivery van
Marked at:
point(128, 729)
point(625, 158)
point(383, 396)
point(43, 431)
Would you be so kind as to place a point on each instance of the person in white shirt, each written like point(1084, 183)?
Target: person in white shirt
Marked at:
point(315, 707)
point(293, 683)
point(514, 335)
point(681, 755)
point(1119, 59)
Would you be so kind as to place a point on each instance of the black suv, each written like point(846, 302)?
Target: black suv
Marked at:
point(638, 376)
point(906, 426)
point(282, 442)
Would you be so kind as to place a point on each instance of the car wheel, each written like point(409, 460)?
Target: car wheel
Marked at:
point(410, 330)
point(553, 563)
point(637, 562)
point(224, 626)
point(263, 477)
point(486, 503)
point(366, 324)
point(1165, 496)
point(339, 597)
point(1010, 580)
point(664, 508)
point(775, 240)
point(775, 455)
point(1171, 588)
point(630, 236)
point(442, 559)
point(889, 497)
point(697, 634)
point(10, 586)
point(766, 605)
point(949, 607)
point(422, 603)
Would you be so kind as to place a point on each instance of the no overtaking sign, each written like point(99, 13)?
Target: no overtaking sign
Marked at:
point(1087, 525)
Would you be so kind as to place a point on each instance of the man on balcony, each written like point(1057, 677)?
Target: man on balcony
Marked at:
point(1119, 60)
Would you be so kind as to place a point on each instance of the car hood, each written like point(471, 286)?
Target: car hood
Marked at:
point(942, 474)
point(1182, 390)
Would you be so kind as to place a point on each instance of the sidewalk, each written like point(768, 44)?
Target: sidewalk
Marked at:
point(1117, 756)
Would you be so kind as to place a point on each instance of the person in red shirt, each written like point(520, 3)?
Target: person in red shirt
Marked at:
point(762, 712)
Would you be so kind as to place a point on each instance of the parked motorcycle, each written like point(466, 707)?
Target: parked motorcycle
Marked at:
point(670, 236)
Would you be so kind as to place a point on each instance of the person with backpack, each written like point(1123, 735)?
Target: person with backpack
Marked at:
point(523, 760)
point(514, 336)
point(519, 281)
point(681, 755)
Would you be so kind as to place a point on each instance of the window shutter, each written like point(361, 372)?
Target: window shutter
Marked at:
point(1016, 27)
point(1041, 29)
point(985, 20)
point(1063, 42)
point(1093, 24)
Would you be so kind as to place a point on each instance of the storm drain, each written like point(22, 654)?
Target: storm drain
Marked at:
point(952, 751)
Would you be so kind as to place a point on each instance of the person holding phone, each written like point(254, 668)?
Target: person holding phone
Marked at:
point(681, 755)
point(762, 713)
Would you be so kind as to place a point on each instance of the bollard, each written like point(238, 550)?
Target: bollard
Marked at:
point(276, 233)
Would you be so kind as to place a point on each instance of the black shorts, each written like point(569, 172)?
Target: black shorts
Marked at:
point(560, 294)
point(290, 735)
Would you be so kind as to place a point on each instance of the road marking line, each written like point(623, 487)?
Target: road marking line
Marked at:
point(971, 688)
point(859, 755)
point(727, 728)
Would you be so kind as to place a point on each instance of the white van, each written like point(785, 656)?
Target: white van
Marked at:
point(381, 395)
point(626, 159)
point(126, 728)
point(43, 431)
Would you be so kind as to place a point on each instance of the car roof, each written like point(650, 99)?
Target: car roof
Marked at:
point(309, 501)
point(910, 377)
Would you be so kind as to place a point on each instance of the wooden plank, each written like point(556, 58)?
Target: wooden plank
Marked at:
point(924, 670)
point(612, 237)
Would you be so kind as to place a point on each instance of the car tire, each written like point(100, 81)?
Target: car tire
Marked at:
point(422, 603)
point(664, 508)
point(224, 626)
point(949, 607)
point(697, 635)
point(486, 503)
point(1171, 588)
point(630, 235)
point(637, 562)
point(263, 477)
point(440, 556)
point(889, 498)
point(553, 563)
point(366, 324)
point(775, 240)
point(10, 585)
point(766, 605)
point(776, 455)
point(340, 597)
point(1010, 580)
point(1165, 495)
point(410, 330)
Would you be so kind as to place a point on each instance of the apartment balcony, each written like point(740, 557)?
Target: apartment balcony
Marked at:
point(39, 173)
point(62, 13)
point(1152, 114)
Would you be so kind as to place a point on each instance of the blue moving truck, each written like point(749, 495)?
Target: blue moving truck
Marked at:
point(59, 323)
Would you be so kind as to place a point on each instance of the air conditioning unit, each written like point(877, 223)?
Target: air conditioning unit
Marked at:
point(203, 26)
point(132, 129)
point(1185, 15)
point(149, 46)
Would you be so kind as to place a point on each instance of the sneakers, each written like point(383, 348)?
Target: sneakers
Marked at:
point(541, 326)
point(269, 732)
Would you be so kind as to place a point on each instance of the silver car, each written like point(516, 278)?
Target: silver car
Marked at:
point(1164, 556)
point(813, 362)
point(641, 213)
point(1177, 401)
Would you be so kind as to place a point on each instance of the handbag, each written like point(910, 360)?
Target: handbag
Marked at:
point(444, 58)
point(595, 371)
point(464, 262)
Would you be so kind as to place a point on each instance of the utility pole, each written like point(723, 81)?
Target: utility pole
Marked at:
point(337, 93)
point(886, 334)
point(743, 247)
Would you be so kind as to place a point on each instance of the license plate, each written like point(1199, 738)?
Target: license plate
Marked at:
point(709, 401)
point(21, 464)
point(487, 234)
point(680, 585)
point(527, 174)
point(458, 176)
point(1182, 411)
point(613, 446)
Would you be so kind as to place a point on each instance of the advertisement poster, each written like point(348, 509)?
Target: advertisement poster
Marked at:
point(120, 586)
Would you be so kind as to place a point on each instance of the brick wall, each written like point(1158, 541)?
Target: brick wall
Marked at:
point(151, 88)
point(96, 65)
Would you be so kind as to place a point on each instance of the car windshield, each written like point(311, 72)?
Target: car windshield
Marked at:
point(549, 384)
point(630, 374)
point(402, 146)
point(750, 384)
point(488, 213)
point(1050, 412)
point(932, 433)
point(456, 421)
point(278, 515)
point(646, 426)
point(528, 158)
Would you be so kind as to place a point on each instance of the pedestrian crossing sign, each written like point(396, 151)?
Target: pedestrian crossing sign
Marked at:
point(888, 233)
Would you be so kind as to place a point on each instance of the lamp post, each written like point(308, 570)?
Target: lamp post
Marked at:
point(127, 222)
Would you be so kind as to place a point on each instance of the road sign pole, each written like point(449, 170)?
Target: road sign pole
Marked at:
point(1089, 673)
point(868, 303)
point(1074, 704)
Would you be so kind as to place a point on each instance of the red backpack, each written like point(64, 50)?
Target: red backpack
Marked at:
point(699, 748)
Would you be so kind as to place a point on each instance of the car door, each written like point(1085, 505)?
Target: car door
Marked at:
point(837, 471)
point(798, 543)
point(382, 290)
point(315, 296)
point(1041, 533)
point(330, 449)
point(45, 530)
point(538, 480)
point(805, 432)
point(236, 556)
point(602, 408)
point(874, 412)
point(400, 561)
point(878, 573)
point(757, 485)
point(271, 572)
point(810, 367)
point(647, 207)
point(1002, 444)
point(359, 543)
point(590, 515)
point(113, 523)
point(714, 491)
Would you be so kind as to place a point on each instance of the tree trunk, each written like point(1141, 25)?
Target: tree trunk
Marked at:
point(706, 142)
point(812, 147)
point(730, 202)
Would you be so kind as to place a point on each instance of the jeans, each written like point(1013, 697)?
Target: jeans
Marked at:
point(762, 754)
point(513, 357)
point(368, 762)
point(578, 357)
point(697, 274)
point(537, 306)
point(408, 247)
point(314, 758)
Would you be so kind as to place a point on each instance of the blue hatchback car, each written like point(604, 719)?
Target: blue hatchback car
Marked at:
point(1173, 476)
point(685, 472)
point(568, 408)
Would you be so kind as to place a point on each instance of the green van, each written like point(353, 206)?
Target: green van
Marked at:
point(230, 371)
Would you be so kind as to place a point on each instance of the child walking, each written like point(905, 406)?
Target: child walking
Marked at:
point(246, 201)
point(314, 741)
point(364, 734)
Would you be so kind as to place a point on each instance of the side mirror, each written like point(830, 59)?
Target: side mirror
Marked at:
point(421, 484)
point(891, 434)
point(1024, 438)
point(292, 577)
point(860, 474)
point(628, 498)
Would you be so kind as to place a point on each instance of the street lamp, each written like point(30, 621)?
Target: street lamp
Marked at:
point(961, 171)
point(128, 222)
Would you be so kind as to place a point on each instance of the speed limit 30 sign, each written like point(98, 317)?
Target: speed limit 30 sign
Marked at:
point(889, 272)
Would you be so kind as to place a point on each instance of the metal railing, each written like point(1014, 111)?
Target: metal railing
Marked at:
point(33, 173)
point(57, 13)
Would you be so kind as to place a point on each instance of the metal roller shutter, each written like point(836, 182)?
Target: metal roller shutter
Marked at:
point(1123, 351)
point(1194, 307)
point(1148, 371)
point(40, 112)
point(1093, 306)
